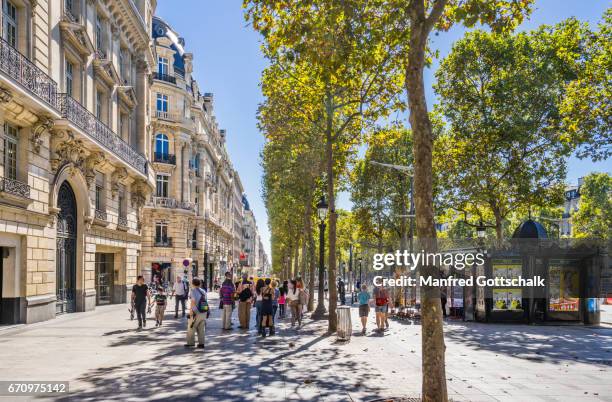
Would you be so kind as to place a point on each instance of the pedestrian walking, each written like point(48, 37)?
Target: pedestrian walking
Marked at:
point(293, 298)
point(245, 298)
point(381, 299)
point(160, 300)
point(140, 298)
point(342, 291)
point(179, 292)
point(282, 296)
point(198, 312)
point(267, 308)
point(275, 299)
point(364, 307)
point(226, 296)
point(443, 301)
point(258, 299)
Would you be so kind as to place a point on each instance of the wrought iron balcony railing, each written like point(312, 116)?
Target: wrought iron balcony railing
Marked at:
point(163, 242)
point(78, 115)
point(122, 221)
point(14, 187)
point(190, 206)
point(164, 77)
point(161, 157)
point(164, 202)
point(101, 215)
point(32, 78)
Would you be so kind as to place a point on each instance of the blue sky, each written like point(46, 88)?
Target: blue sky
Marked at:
point(227, 62)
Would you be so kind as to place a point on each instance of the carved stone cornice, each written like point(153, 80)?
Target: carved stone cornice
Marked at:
point(5, 95)
point(42, 126)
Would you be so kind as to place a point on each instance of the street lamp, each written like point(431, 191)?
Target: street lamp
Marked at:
point(322, 209)
point(480, 231)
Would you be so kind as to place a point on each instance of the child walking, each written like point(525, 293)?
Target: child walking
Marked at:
point(160, 300)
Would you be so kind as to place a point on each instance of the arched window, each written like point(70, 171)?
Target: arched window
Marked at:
point(161, 146)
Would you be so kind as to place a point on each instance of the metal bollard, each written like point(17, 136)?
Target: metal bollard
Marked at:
point(345, 327)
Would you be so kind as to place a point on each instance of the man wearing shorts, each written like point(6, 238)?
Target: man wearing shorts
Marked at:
point(364, 307)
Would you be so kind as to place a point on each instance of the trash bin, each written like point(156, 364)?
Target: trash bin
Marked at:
point(345, 327)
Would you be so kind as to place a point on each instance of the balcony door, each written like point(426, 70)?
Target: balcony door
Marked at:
point(66, 250)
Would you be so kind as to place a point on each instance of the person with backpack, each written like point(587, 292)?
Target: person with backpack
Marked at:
point(198, 312)
point(180, 291)
point(226, 294)
point(381, 298)
point(245, 296)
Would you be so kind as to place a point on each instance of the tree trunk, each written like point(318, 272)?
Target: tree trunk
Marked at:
point(499, 229)
point(331, 276)
point(312, 264)
point(304, 261)
point(296, 259)
point(432, 338)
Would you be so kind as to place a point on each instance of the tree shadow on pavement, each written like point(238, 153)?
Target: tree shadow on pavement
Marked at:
point(235, 366)
point(551, 344)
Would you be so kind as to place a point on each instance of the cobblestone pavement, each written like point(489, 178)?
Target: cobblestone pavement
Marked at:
point(105, 358)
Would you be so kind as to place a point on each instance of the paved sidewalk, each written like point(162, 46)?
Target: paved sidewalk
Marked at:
point(105, 358)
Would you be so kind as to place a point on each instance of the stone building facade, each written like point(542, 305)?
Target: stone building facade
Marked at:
point(189, 220)
point(74, 174)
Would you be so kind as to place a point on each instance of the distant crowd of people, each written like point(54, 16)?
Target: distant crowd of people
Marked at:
point(271, 299)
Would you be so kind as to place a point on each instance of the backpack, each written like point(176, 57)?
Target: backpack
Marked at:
point(246, 294)
point(303, 297)
point(202, 303)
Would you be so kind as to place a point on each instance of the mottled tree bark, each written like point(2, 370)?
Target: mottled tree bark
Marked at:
point(433, 347)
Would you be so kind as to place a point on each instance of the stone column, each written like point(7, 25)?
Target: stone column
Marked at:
point(176, 190)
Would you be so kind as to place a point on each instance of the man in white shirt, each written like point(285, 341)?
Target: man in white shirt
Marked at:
point(179, 291)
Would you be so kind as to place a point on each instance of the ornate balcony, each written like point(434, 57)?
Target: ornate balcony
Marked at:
point(161, 157)
point(164, 77)
point(163, 242)
point(164, 202)
point(122, 221)
point(169, 116)
point(32, 78)
point(189, 206)
point(78, 115)
point(101, 215)
point(14, 188)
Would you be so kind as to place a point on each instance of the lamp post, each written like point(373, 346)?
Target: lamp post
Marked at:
point(322, 209)
point(481, 231)
point(360, 260)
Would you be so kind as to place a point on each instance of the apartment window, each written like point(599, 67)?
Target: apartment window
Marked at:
point(99, 100)
point(161, 232)
point(69, 77)
point(162, 66)
point(162, 185)
point(122, 64)
point(161, 145)
point(162, 103)
point(9, 18)
point(121, 204)
point(11, 134)
point(99, 196)
point(98, 33)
